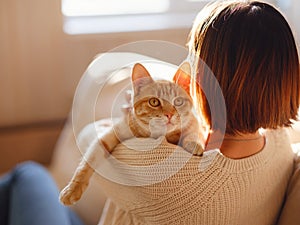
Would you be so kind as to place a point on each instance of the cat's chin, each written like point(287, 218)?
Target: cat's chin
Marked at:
point(171, 127)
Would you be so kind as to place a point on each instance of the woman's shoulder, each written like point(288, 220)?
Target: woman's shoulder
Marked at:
point(153, 151)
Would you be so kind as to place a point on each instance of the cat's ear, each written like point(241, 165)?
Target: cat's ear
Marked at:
point(182, 76)
point(140, 77)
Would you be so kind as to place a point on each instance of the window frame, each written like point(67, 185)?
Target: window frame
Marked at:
point(180, 14)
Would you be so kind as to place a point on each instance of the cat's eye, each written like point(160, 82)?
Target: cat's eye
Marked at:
point(154, 102)
point(178, 101)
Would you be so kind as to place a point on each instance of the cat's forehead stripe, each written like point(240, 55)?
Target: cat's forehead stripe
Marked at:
point(164, 90)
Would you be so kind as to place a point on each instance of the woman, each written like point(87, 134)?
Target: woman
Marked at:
point(250, 49)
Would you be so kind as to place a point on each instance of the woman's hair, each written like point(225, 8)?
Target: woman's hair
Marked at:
point(250, 49)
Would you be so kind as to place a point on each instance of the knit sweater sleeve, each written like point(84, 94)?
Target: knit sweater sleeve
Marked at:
point(150, 181)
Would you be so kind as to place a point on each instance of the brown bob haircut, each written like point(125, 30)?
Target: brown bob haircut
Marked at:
point(250, 49)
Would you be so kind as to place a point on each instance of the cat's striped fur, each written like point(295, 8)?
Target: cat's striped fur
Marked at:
point(160, 108)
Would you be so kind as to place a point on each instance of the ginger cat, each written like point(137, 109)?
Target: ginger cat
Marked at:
point(159, 108)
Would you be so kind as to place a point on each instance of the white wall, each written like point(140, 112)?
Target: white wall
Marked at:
point(293, 12)
point(40, 65)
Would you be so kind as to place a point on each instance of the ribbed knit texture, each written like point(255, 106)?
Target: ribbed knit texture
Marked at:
point(208, 190)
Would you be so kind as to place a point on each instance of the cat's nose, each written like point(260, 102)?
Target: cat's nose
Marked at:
point(169, 115)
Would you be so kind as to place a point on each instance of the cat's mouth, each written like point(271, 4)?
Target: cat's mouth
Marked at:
point(158, 123)
point(169, 123)
point(170, 126)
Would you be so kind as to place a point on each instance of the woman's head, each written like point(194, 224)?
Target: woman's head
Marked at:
point(250, 49)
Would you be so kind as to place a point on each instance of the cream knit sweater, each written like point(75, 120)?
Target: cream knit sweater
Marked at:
point(166, 185)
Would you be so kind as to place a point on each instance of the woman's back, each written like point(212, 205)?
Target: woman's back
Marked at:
point(212, 189)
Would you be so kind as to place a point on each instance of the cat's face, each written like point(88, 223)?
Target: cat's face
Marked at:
point(160, 104)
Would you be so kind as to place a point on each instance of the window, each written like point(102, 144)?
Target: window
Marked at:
point(112, 7)
point(103, 16)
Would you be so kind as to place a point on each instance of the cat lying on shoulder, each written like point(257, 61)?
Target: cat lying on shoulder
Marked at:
point(160, 108)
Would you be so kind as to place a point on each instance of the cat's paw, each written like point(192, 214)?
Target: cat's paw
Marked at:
point(193, 147)
point(71, 193)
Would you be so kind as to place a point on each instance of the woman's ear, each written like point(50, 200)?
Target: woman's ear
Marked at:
point(182, 76)
point(140, 77)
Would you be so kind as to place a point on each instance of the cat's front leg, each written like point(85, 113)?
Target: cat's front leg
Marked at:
point(119, 132)
point(194, 138)
point(95, 152)
point(80, 180)
point(193, 147)
point(78, 184)
point(91, 159)
point(191, 143)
